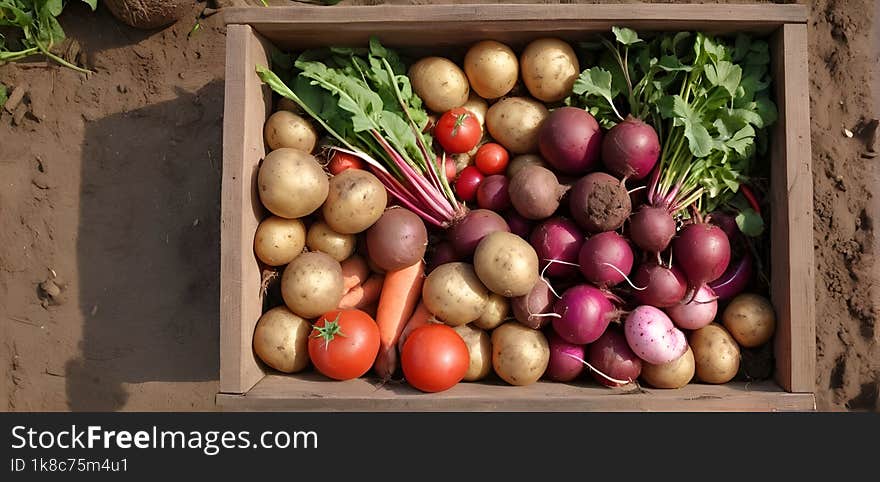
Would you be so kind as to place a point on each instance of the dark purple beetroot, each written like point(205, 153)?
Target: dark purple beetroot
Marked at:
point(651, 228)
point(598, 252)
point(570, 140)
point(473, 228)
point(664, 287)
point(559, 239)
point(630, 149)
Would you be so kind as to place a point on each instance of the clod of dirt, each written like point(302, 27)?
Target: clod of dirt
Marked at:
point(872, 135)
point(50, 291)
point(148, 14)
point(15, 98)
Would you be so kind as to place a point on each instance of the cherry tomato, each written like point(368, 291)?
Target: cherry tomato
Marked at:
point(434, 358)
point(451, 171)
point(492, 159)
point(342, 161)
point(458, 130)
point(344, 344)
point(468, 181)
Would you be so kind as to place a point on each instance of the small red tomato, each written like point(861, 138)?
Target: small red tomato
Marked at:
point(434, 358)
point(468, 182)
point(451, 171)
point(458, 130)
point(342, 161)
point(492, 159)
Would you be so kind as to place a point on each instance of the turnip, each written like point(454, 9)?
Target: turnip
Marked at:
point(652, 336)
point(658, 285)
point(570, 140)
point(535, 192)
point(564, 363)
point(474, 227)
point(703, 252)
point(612, 360)
point(557, 239)
point(599, 202)
point(652, 228)
point(697, 313)
point(630, 149)
point(605, 259)
point(535, 308)
point(584, 314)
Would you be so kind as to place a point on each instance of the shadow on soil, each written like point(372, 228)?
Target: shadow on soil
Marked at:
point(149, 249)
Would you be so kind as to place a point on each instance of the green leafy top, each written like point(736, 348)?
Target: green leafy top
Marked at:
point(40, 31)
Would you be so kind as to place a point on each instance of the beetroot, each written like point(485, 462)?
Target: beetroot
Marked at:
point(558, 239)
point(735, 280)
point(570, 140)
point(562, 366)
point(535, 192)
point(602, 250)
point(442, 253)
point(492, 193)
point(599, 202)
point(663, 287)
point(519, 225)
point(651, 228)
point(584, 314)
point(473, 228)
point(630, 149)
point(535, 308)
point(703, 252)
point(612, 356)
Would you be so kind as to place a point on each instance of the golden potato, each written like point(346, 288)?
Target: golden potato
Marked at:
point(324, 239)
point(514, 123)
point(311, 284)
point(479, 347)
point(520, 355)
point(491, 68)
point(549, 69)
point(750, 319)
point(355, 201)
point(281, 340)
point(674, 374)
point(454, 294)
point(440, 83)
point(286, 129)
point(291, 184)
point(506, 263)
point(716, 354)
point(279, 240)
point(494, 314)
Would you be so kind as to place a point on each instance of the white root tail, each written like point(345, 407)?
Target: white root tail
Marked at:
point(591, 367)
point(628, 281)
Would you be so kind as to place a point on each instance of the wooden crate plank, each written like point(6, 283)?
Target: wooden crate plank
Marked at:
point(791, 211)
point(312, 392)
point(245, 109)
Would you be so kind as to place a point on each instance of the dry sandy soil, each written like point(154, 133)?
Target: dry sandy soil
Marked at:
point(111, 183)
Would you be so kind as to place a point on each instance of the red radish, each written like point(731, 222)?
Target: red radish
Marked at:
point(535, 308)
point(653, 337)
point(605, 259)
point(735, 280)
point(467, 233)
point(519, 225)
point(599, 202)
point(535, 192)
point(630, 149)
point(492, 193)
point(612, 356)
point(703, 252)
point(564, 365)
point(651, 228)
point(696, 314)
point(658, 285)
point(557, 239)
point(467, 183)
point(570, 140)
point(584, 314)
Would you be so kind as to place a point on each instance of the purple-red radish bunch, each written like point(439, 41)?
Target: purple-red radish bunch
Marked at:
point(658, 285)
point(612, 361)
point(557, 239)
point(565, 359)
point(584, 314)
point(605, 259)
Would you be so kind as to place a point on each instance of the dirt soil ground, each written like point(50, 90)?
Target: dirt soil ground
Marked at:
point(111, 191)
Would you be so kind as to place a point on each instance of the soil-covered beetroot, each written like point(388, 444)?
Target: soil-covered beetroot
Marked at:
point(652, 336)
point(557, 239)
point(562, 366)
point(584, 314)
point(535, 192)
point(612, 356)
point(703, 252)
point(599, 202)
point(473, 228)
point(535, 308)
point(570, 140)
point(630, 149)
point(602, 250)
point(661, 286)
point(651, 228)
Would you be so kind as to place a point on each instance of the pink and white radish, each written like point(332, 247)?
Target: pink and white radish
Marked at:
point(652, 335)
point(697, 313)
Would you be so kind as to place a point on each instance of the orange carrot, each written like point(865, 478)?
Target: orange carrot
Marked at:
point(354, 272)
point(401, 292)
point(420, 318)
point(363, 295)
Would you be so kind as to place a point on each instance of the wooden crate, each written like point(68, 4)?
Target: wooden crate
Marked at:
point(246, 385)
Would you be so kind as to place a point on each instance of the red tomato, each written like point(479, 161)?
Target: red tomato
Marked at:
point(434, 358)
point(492, 159)
point(458, 130)
point(468, 182)
point(342, 161)
point(451, 171)
point(344, 344)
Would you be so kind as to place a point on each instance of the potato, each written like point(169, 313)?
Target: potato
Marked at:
point(286, 129)
point(311, 284)
point(514, 122)
point(281, 340)
point(491, 68)
point(506, 263)
point(148, 15)
point(291, 183)
point(524, 160)
point(674, 374)
point(356, 200)
point(549, 69)
point(440, 83)
point(497, 308)
point(479, 347)
point(477, 106)
point(520, 355)
point(716, 354)
point(279, 240)
point(324, 239)
point(750, 319)
point(454, 294)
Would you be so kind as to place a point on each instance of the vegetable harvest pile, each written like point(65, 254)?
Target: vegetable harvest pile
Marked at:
point(570, 209)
